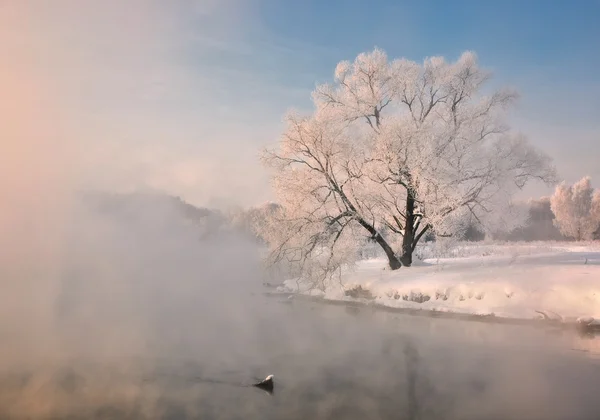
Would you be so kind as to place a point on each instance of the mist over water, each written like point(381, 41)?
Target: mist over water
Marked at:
point(151, 318)
point(139, 284)
point(135, 312)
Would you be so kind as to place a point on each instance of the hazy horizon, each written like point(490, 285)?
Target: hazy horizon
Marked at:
point(181, 96)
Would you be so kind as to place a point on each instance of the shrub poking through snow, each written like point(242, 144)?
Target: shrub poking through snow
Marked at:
point(358, 292)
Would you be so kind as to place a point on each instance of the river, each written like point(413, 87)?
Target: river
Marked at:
point(329, 362)
point(155, 325)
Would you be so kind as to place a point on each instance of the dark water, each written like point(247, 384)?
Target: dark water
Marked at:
point(329, 362)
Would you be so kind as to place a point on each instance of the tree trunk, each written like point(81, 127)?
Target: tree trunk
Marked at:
point(409, 233)
point(393, 260)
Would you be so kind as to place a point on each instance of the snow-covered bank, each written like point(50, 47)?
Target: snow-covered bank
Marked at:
point(558, 281)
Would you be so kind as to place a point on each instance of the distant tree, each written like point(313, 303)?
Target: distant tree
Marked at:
point(473, 233)
point(252, 221)
point(596, 209)
point(596, 235)
point(399, 146)
point(539, 225)
point(596, 214)
point(577, 209)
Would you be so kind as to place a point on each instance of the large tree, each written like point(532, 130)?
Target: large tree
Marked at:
point(576, 209)
point(397, 149)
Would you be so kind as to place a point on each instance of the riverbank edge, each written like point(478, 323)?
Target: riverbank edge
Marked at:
point(587, 329)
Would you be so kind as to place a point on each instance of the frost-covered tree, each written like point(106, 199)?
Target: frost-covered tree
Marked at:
point(252, 221)
point(324, 192)
point(576, 209)
point(595, 213)
point(402, 148)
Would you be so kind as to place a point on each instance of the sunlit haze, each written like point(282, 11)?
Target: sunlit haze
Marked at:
point(401, 245)
point(181, 96)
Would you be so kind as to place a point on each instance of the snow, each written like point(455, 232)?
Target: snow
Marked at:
point(555, 281)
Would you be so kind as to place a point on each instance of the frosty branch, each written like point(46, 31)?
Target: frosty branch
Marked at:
point(397, 149)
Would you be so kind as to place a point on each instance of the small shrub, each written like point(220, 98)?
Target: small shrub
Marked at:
point(358, 292)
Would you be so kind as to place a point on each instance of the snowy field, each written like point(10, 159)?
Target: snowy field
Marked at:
point(559, 281)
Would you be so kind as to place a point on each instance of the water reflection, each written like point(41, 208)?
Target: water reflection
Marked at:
point(328, 363)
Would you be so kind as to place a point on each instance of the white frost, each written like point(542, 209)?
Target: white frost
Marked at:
point(550, 281)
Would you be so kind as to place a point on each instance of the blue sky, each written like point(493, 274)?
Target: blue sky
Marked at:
point(540, 47)
point(548, 50)
point(510, 31)
point(182, 95)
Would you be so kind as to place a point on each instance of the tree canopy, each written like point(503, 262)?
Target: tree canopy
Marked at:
point(392, 150)
point(576, 209)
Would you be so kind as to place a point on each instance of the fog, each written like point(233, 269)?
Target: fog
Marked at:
point(144, 315)
point(137, 313)
point(139, 285)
